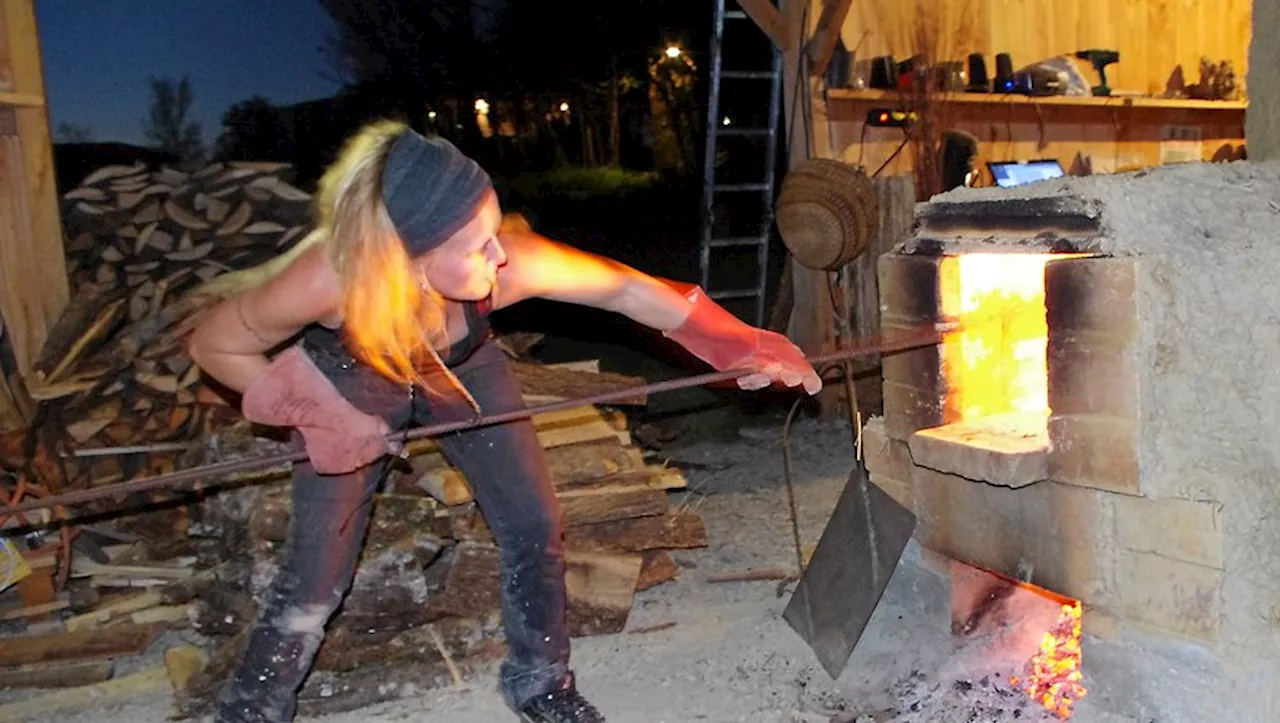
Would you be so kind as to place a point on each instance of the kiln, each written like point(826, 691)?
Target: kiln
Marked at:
point(1103, 424)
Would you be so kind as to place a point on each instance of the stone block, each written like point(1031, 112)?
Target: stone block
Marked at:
point(1093, 373)
point(1094, 451)
point(885, 456)
point(1006, 449)
point(1184, 530)
point(909, 287)
point(899, 490)
point(907, 409)
point(1100, 623)
point(1169, 595)
point(1056, 536)
point(1092, 294)
point(920, 367)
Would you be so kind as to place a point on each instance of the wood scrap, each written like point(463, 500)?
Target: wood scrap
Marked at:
point(106, 613)
point(559, 382)
point(599, 588)
point(103, 644)
point(147, 681)
point(57, 675)
point(658, 568)
point(653, 628)
point(682, 530)
point(755, 573)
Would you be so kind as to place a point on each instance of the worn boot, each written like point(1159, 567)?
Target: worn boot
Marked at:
point(565, 705)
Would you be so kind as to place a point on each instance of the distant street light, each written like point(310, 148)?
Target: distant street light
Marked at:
point(564, 107)
point(482, 105)
point(673, 51)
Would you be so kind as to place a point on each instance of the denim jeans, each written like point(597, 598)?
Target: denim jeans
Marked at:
point(506, 468)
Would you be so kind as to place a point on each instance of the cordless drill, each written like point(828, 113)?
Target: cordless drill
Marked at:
point(1100, 59)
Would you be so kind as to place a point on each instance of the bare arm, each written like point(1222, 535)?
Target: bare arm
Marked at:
point(230, 344)
point(539, 267)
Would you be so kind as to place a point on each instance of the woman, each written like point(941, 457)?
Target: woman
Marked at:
point(391, 294)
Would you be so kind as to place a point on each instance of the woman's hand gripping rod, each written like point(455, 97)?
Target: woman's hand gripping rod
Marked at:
point(197, 478)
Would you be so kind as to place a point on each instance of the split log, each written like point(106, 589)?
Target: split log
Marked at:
point(407, 664)
point(586, 509)
point(658, 568)
point(586, 461)
point(599, 587)
point(149, 680)
point(551, 383)
point(57, 675)
point(554, 429)
point(391, 589)
point(677, 530)
point(596, 462)
point(395, 517)
point(104, 644)
point(118, 608)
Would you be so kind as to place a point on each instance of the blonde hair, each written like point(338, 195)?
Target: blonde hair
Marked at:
point(390, 313)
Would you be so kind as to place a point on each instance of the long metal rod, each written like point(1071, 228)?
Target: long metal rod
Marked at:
point(201, 475)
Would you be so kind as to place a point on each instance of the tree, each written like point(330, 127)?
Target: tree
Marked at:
point(596, 55)
point(169, 126)
point(252, 131)
point(72, 133)
point(420, 50)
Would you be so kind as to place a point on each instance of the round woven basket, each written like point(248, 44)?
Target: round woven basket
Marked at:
point(826, 212)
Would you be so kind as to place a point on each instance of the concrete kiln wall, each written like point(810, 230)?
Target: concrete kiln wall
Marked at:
point(1197, 551)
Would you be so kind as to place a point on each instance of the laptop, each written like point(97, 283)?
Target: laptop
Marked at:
point(1008, 174)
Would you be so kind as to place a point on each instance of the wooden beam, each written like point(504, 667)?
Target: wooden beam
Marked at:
point(42, 290)
point(769, 18)
point(812, 325)
point(6, 67)
point(22, 100)
point(823, 43)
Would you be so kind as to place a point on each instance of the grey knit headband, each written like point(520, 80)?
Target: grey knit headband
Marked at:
point(430, 190)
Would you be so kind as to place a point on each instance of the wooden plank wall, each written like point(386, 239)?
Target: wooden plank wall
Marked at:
point(858, 281)
point(1084, 139)
point(33, 276)
point(1153, 37)
point(6, 68)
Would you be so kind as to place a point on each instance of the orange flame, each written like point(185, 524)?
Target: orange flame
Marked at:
point(1052, 677)
point(995, 362)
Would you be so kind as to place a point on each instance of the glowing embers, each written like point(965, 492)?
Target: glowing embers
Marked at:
point(1052, 677)
point(1022, 633)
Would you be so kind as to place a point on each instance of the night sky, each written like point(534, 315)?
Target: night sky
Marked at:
point(99, 55)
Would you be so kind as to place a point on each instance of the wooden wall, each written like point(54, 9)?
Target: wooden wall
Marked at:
point(1087, 135)
point(1153, 37)
point(33, 277)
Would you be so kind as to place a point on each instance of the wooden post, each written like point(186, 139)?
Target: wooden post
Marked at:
point(812, 325)
point(33, 274)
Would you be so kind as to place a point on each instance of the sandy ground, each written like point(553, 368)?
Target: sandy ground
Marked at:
point(730, 656)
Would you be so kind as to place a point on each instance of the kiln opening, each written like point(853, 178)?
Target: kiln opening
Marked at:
point(995, 384)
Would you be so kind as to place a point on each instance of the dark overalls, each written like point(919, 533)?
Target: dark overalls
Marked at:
point(505, 465)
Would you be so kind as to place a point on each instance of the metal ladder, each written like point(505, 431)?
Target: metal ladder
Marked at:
point(711, 190)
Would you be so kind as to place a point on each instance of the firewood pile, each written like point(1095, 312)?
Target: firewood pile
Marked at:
point(118, 399)
point(138, 241)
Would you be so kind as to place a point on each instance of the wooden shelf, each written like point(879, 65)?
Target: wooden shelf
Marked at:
point(1115, 101)
point(21, 100)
